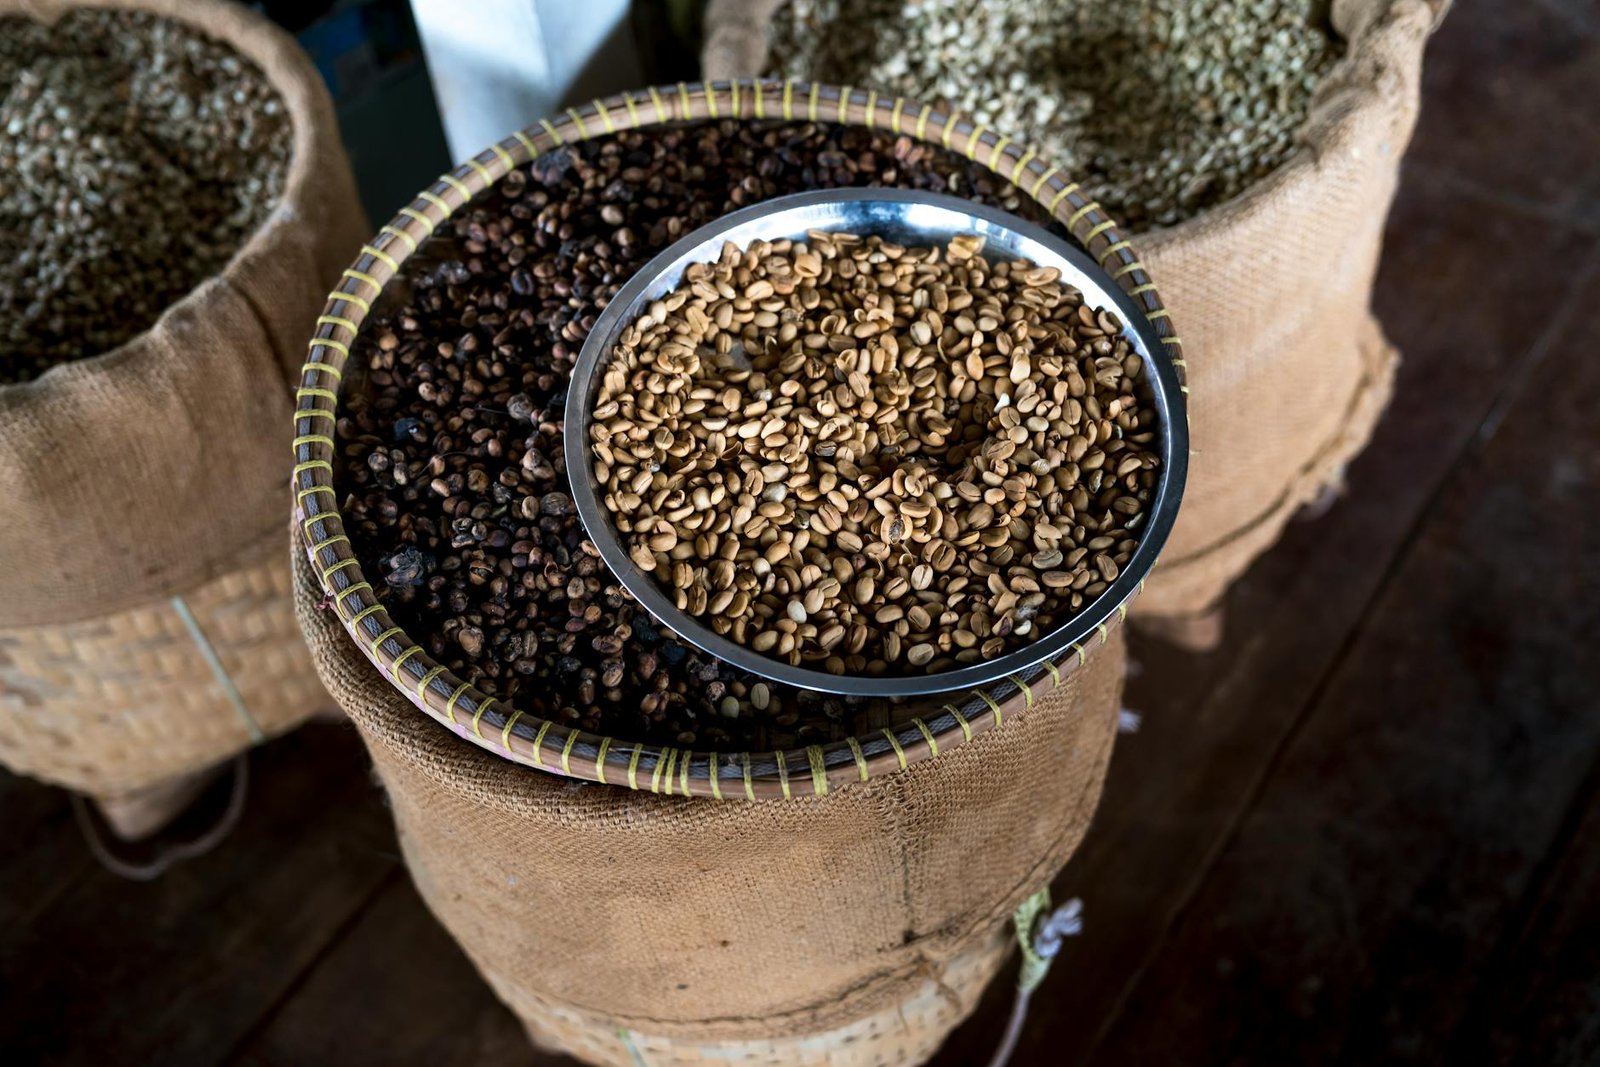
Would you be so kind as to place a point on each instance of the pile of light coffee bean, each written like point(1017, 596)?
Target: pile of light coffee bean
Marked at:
point(136, 156)
point(868, 458)
point(453, 479)
point(1159, 108)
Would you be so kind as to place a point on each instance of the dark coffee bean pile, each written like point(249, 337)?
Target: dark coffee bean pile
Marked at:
point(135, 157)
point(451, 462)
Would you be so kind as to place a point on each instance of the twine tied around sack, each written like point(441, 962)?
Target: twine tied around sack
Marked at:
point(1040, 942)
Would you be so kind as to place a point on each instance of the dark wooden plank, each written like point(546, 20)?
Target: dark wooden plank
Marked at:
point(394, 990)
point(175, 971)
point(1212, 724)
point(1350, 917)
point(1508, 93)
point(1540, 1003)
point(41, 855)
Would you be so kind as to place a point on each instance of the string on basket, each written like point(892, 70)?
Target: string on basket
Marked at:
point(1040, 942)
point(218, 671)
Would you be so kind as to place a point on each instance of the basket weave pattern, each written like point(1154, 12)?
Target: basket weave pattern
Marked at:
point(124, 701)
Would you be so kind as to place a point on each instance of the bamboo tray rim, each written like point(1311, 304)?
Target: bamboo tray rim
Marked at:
point(812, 770)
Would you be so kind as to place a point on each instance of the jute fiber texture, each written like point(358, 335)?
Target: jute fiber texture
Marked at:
point(702, 921)
point(147, 470)
point(111, 705)
point(1288, 372)
point(147, 482)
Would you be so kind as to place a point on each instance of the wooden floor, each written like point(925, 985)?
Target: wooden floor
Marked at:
point(1365, 831)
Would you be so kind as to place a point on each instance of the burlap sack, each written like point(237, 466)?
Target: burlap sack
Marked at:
point(145, 630)
point(733, 928)
point(1288, 371)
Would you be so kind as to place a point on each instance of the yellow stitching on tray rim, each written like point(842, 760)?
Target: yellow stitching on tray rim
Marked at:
point(895, 115)
point(425, 681)
point(311, 439)
point(310, 464)
point(760, 104)
point(399, 234)
point(711, 109)
point(998, 152)
point(819, 770)
point(633, 768)
point(527, 144)
point(483, 171)
point(922, 121)
point(683, 101)
point(872, 107)
point(811, 105)
point(358, 617)
point(399, 661)
point(683, 771)
point(1127, 268)
point(714, 775)
point(975, 140)
point(311, 413)
point(335, 320)
point(1066, 191)
point(327, 368)
point(899, 753)
point(577, 120)
point(538, 744)
point(1055, 672)
point(1099, 229)
point(566, 753)
point(788, 99)
point(783, 775)
point(437, 201)
point(655, 775)
point(417, 216)
point(363, 276)
point(1049, 173)
point(300, 497)
point(477, 719)
point(354, 587)
point(600, 760)
point(307, 390)
point(661, 116)
point(335, 539)
point(1022, 164)
point(933, 745)
point(1113, 249)
point(457, 184)
point(555, 135)
point(605, 116)
point(336, 568)
point(381, 638)
point(860, 757)
point(328, 342)
point(999, 716)
point(1078, 216)
point(633, 112)
point(1027, 690)
point(505, 731)
point(450, 705)
point(961, 721)
point(733, 89)
point(351, 298)
point(949, 127)
point(503, 155)
point(844, 101)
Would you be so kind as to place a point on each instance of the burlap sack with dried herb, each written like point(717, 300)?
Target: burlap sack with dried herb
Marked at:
point(694, 927)
point(1288, 370)
point(146, 629)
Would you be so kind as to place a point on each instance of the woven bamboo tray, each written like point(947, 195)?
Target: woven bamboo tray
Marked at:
point(540, 743)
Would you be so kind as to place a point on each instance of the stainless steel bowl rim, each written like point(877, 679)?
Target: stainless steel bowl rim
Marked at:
point(907, 217)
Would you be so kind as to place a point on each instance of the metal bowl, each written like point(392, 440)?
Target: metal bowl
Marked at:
point(911, 218)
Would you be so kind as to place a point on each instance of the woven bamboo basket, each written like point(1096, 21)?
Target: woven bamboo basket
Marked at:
point(146, 631)
point(635, 846)
point(132, 707)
